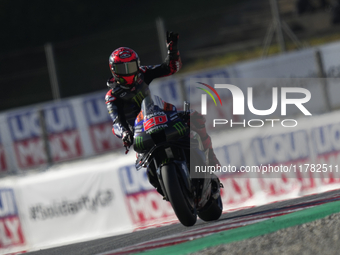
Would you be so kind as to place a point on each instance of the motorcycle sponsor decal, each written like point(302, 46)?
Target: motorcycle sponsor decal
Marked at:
point(157, 128)
point(144, 203)
point(173, 116)
point(100, 124)
point(139, 143)
point(180, 128)
point(139, 118)
point(155, 121)
point(11, 233)
point(62, 132)
point(154, 114)
point(138, 128)
point(65, 207)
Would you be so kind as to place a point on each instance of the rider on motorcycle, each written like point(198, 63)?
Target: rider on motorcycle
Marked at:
point(129, 85)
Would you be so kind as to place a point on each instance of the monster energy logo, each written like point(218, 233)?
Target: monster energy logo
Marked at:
point(138, 98)
point(139, 142)
point(180, 128)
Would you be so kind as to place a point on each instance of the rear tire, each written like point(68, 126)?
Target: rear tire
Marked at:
point(212, 211)
point(185, 213)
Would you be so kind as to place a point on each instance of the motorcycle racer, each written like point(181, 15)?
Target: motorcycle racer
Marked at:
point(129, 85)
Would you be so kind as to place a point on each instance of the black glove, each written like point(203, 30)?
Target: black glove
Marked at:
point(171, 42)
point(127, 139)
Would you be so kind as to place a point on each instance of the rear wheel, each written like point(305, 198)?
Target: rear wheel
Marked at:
point(212, 210)
point(179, 200)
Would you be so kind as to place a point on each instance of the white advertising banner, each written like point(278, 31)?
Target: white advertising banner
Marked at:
point(11, 227)
point(63, 134)
point(145, 205)
point(81, 202)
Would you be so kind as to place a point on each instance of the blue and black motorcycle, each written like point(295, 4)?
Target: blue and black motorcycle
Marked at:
point(169, 151)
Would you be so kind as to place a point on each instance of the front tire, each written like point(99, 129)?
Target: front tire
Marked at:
point(185, 213)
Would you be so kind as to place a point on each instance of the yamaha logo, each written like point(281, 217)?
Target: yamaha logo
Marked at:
point(124, 54)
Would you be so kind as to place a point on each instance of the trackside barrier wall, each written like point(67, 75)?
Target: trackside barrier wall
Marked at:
point(106, 196)
point(79, 127)
point(70, 203)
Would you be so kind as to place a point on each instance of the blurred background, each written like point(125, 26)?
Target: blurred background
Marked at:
point(60, 49)
point(84, 33)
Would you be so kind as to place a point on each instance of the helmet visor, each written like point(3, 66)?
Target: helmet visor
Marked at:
point(125, 69)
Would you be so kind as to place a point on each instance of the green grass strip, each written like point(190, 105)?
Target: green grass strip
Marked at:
point(253, 230)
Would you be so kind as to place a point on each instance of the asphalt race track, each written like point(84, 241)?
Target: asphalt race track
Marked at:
point(176, 233)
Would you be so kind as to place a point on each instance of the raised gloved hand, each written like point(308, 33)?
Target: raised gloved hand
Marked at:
point(127, 139)
point(171, 42)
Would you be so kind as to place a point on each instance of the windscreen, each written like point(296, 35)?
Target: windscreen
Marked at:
point(148, 105)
